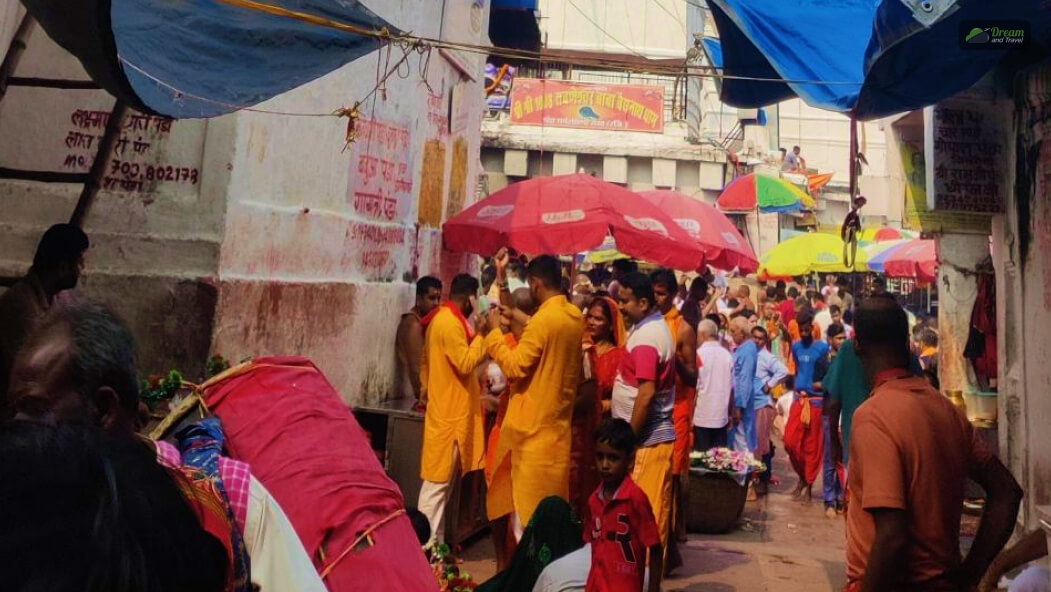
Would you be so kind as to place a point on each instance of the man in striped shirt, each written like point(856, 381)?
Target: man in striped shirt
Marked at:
point(644, 393)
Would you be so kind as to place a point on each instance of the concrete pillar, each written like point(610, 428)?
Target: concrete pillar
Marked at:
point(956, 294)
point(496, 182)
point(564, 164)
point(663, 172)
point(615, 169)
point(1013, 421)
point(712, 175)
point(516, 162)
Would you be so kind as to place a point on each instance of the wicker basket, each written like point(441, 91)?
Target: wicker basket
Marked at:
point(716, 502)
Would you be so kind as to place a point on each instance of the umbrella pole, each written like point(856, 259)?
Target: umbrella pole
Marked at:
point(758, 229)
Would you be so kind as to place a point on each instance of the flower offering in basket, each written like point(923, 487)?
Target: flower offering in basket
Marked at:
point(724, 460)
point(718, 488)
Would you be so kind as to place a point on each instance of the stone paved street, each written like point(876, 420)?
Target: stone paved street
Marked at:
point(780, 546)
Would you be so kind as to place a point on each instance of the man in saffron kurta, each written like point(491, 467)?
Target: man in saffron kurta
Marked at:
point(664, 288)
point(533, 451)
point(453, 433)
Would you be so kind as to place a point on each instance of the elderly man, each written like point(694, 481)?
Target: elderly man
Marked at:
point(78, 366)
point(770, 373)
point(746, 363)
point(711, 416)
point(57, 265)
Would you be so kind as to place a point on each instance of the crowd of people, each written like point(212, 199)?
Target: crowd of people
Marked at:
point(601, 384)
point(580, 397)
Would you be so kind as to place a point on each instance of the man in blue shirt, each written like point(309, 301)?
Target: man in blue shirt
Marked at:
point(746, 359)
point(804, 435)
point(832, 478)
point(770, 372)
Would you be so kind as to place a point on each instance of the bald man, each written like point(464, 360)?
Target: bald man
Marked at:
point(746, 360)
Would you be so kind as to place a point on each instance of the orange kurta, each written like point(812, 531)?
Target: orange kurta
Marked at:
point(685, 400)
point(454, 404)
point(532, 455)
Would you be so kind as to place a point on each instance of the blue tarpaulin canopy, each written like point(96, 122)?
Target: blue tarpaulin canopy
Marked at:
point(714, 50)
point(203, 58)
point(871, 58)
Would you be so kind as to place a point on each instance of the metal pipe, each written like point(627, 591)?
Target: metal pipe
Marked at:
point(15, 51)
point(114, 127)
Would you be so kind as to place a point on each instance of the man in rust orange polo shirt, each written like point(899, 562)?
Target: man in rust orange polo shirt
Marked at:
point(911, 452)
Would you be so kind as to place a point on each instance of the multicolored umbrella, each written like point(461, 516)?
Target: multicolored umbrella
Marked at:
point(769, 194)
point(724, 247)
point(809, 253)
point(877, 252)
point(569, 214)
point(913, 259)
point(604, 253)
point(885, 233)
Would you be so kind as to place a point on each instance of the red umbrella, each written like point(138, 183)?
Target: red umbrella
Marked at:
point(569, 214)
point(915, 259)
point(724, 247)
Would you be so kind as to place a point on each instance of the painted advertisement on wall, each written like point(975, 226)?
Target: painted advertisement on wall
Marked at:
point(579, 105)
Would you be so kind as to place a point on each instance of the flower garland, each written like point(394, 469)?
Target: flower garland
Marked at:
point(724, 460)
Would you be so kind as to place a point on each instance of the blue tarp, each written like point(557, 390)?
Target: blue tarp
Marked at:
point(871, 58)
point(714, 50)
point(229, 55)
point(155, 54)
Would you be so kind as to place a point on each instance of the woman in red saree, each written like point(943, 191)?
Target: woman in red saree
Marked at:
point(604, 340)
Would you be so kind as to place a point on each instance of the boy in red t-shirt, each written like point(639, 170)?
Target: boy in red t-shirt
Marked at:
point(619, 524)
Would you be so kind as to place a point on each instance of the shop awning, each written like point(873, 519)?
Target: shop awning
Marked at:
point(203, 58)
point(872, 58)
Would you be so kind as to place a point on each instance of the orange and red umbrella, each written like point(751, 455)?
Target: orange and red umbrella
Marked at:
point(724, 247)
point(568, 214)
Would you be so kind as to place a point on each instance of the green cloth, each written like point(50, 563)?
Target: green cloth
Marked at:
point(552, 533)
point(846, 383)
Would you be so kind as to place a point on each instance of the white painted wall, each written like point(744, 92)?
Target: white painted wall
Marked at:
point(1024, 306)
point(656, 28)
point(294, 263)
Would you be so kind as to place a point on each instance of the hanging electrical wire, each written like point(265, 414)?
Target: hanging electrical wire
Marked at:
point(410, 43)
point(611, 62)
point(588, 18)
point(672, 14)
